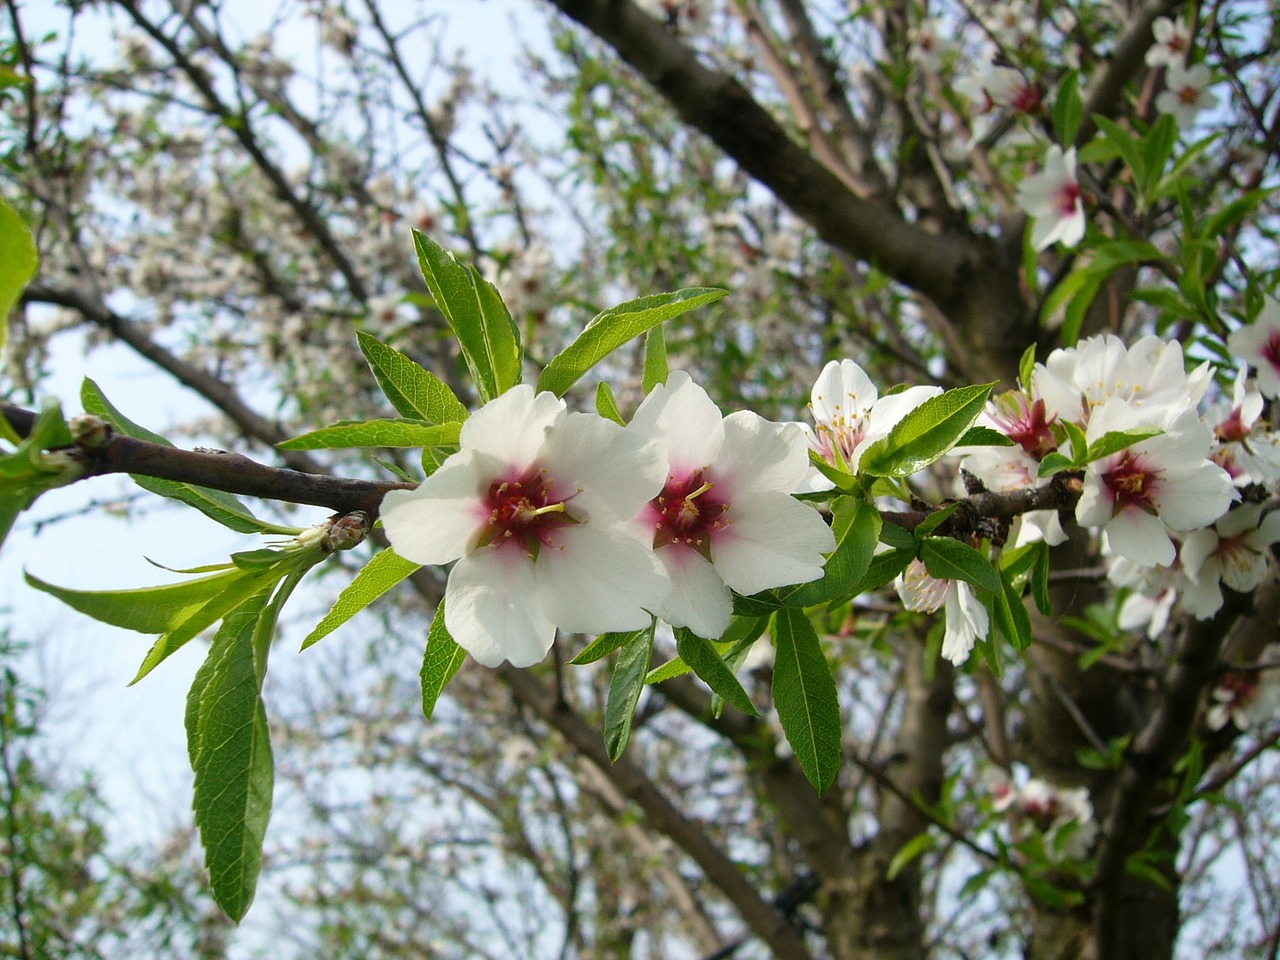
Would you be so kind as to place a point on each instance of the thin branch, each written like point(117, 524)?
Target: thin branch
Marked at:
point(229, 472)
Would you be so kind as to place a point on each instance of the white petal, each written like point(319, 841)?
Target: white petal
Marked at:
point(680, 413)
point(609, 472)
point(760, 455)
point(772, 540)
point(1142, 538)
point(1196, 498)
point(966, 621)
point(842, 393)
point(440, 520)
point(513, 426)
point(491, 609)
point(600, 580)
point(1195, 550)
point(699, 599)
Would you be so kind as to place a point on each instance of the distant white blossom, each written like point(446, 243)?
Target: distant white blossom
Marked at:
point(1186, 92)
point(1053, 200)
point(1173, 42)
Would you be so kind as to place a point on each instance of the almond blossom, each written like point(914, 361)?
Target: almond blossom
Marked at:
point(1247, 698)
point(1149, 376)
point(1053, 199)
point(725, 519)
point(1233, 551)
point(1173, 43)
point(1062, 815)
point(1258, 344)
point(850, 416)
point(966, 617)
point(1186, 93)
point(533, 508)
point(1163, 483)
point(1248, 450)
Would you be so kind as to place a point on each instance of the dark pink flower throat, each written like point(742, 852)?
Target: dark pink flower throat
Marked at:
point(525, 512)
point(688, 511)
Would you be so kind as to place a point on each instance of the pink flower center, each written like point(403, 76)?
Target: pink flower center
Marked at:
point(1132, 482)
point(1068, 196)
point(688, 512)
point(1027, 99)
point(1271, 350)
point(1233, 428)
point(525, 512)
point(1236, 689)
point(1025, 423)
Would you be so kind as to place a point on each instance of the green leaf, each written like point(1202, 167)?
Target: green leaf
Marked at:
point(239, 591)
point(217, 505)
point(920, 843)
point(1068, 108)
point(611, 329)
point(1125, 144)
point(1118, 440)
point(410, 389)
point(1054, 463)
point(656, 368)
point(804, 695)
point(606, 405)
point(948, 559)
point(482, 323)
point(18, 262)
point(675, 667)
point(1079, 442)
point(984, 437)
point(231, 755)
point(1040, 580)
point(1010, 615)
point(926, 433)
point(885, 566)
point(625, 687)
point(1158, 148)
point(703, 658)
point(603, 645)
point(934, 520)
point(856, 524)
point(1026, 367)
point(376, 433)
point(145, 609)
point(375, 578)
point(440, 661)
point(757, 605)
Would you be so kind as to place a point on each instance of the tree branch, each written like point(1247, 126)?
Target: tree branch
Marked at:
point(229, 472)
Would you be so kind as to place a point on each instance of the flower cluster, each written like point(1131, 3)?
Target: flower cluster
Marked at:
point(1161, 502)
point(568, 520)
point(1062, 816)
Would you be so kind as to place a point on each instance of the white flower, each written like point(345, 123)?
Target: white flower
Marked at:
point(851, 416)
point(966, 617)
point(991, 86)
point(1233, 551)
point(1246, 449)
point(1063, 816)
point(533, 508)
point(1247, 698)
point(1052, 198)
point(725, 519)
point(1258, 344)
point(1150, 377)
point(1173, 41)
point(929, 48)
point(1186, 93)
point(1156, 485)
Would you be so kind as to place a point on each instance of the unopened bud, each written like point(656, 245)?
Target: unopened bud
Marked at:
point(89, 432)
